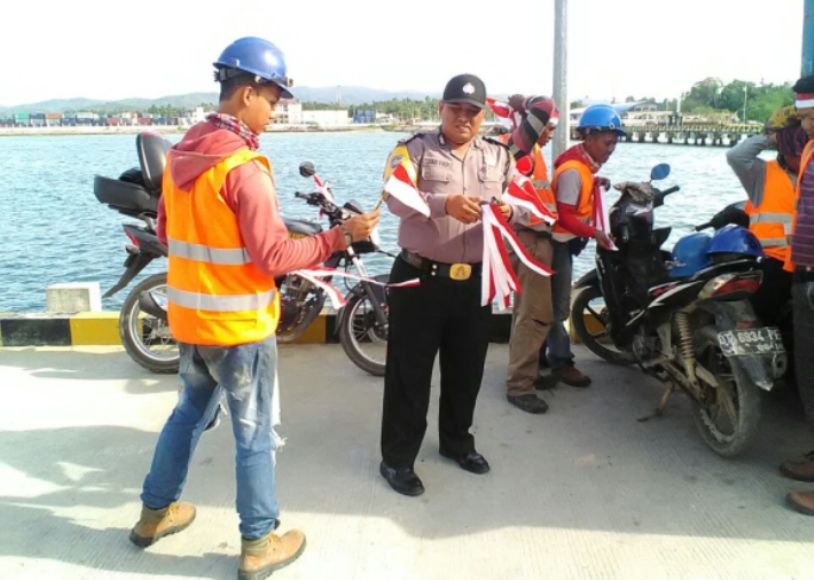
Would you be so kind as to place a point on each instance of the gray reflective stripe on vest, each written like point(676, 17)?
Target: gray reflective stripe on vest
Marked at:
point(201, 253)
point(773, 218)
point(229, 303)
point(774, 242)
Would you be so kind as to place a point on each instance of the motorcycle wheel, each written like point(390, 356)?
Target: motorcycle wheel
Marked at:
point(364, 341)
point(145, 336)
point(308, 300)
point(590, 305)
point(727, 419)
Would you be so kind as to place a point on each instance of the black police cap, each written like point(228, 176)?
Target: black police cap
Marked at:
point(467, 89)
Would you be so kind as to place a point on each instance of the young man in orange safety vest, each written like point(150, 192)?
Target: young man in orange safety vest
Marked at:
point(576, 187)
point(220, 218)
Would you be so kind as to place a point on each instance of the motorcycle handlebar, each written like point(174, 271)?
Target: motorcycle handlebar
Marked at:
point(671, 190)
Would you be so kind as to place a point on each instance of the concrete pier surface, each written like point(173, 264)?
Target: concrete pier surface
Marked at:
point(584, 491)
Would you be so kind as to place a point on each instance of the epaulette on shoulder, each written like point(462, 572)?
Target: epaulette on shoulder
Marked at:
point(410, 138)
point(495, 141)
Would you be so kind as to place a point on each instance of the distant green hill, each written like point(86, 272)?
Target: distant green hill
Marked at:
point(350, 95)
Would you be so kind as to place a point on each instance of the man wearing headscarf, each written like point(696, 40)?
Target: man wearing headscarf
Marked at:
point(532, 314)
point(801, 262)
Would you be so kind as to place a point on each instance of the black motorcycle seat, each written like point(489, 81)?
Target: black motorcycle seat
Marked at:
point(126, 196)
point(152, 156)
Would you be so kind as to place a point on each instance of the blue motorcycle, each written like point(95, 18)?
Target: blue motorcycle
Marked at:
point(684, 316)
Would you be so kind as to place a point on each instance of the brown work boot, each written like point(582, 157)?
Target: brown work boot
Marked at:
point(260, 557)
point(800, 469)
point(802, 501)
point(155, 524)
point(570, 375)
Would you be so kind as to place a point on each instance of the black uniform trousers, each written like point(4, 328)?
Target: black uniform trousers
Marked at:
point(440, 315)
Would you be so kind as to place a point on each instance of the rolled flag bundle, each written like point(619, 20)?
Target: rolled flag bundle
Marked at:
point(498, 279)
point(401, 185)
point(520, 193)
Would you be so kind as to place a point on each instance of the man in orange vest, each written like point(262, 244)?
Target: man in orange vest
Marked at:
point(801, 263)
point(219, 216)
point(532, 314)
point(576, 187)
point(770, 186)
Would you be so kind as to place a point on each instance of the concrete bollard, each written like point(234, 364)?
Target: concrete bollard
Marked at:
point(72, 297)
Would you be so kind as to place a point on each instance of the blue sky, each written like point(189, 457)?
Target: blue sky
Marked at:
point(151, 48)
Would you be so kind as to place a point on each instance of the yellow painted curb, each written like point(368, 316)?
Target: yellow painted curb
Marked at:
point(95, 328)
point(315, 333)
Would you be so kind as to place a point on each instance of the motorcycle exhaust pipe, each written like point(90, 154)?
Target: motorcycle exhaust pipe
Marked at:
point(149, 305)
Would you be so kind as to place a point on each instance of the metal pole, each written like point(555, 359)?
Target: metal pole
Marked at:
point(808, 39)
point(560, 141)
point(744, 103)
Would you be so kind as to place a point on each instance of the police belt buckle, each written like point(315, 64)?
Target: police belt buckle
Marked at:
point(460, 271)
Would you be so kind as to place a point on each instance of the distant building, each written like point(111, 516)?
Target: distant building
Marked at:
point(329, 118)
point(288, 112)
point(364, 116)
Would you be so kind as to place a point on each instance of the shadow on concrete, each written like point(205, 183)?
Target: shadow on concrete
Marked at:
point(586, 465)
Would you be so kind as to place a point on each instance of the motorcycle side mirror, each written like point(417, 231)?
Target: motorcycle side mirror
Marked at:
point(660, 171)
point(307, 169)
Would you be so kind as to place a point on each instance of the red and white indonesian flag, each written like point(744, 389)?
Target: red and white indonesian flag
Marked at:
point(401, 185)
point(602, 213)
point(804, 100)
point(324, 188)
point(520, 193)
point(498, 279)
point(504, 111)
point(315, 275)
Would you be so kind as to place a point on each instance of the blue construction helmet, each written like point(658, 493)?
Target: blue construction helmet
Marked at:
point(599, 119)
point(690, 255)
point(732, 239)
point(257, 57)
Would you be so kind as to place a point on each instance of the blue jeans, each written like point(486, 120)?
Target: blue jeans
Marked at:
point(559, 343)
point(246, 373)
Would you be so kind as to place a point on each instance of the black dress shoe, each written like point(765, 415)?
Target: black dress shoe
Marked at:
point(529, 403)
point(473, 461)
point(402, 479)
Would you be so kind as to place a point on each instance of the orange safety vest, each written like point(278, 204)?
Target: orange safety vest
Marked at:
point(539, 179)
point(216, 295)
point(771, 220)
point(585, 204)
point(808, 152)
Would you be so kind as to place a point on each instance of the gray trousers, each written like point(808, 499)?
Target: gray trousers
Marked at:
point(559, 343)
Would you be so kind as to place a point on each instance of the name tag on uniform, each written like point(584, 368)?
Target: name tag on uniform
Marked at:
point(460, 271)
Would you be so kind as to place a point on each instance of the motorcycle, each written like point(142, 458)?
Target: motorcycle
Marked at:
point(143, 325)
point(683, 317)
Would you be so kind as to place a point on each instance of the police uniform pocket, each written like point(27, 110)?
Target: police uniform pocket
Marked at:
point(489, 174)
point(435, 173)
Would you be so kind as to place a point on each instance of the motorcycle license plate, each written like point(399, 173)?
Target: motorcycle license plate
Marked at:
point(751, 341)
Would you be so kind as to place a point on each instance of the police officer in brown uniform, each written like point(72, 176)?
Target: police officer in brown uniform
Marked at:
point(455, 171)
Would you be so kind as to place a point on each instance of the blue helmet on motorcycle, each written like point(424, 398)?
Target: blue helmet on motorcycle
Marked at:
point(732, 239)
point(599, 119)
point(255, 56)
point(690, 255)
